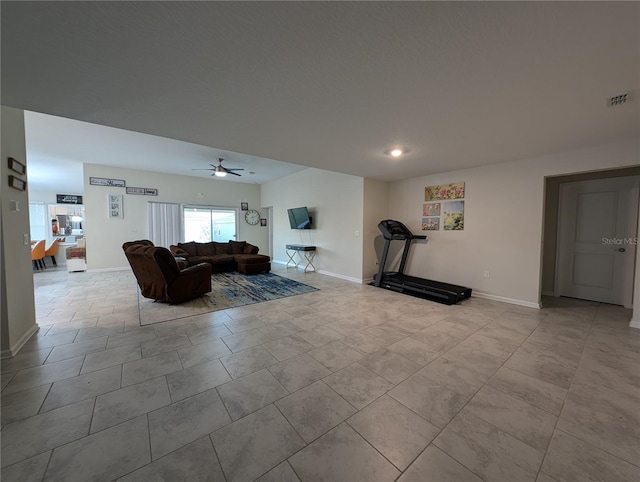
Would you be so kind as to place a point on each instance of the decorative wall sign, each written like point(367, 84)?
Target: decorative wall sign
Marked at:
point(17, 183)
point(444, 191)
point(143, 191)
point(68, 199)
point(101, 181)
point(453, 216)
point(115, 206)
point(17, 166)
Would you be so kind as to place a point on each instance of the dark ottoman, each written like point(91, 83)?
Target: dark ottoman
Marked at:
point(253, 263)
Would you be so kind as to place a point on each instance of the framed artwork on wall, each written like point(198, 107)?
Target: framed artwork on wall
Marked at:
point(453, 216)
point(115, 206)
point(244, 206)
point(431, 209)
point(430, 224)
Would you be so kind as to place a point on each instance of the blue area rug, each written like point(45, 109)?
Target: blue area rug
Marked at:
point(228, 290)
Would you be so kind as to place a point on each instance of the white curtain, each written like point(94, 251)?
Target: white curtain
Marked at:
point(164, 223)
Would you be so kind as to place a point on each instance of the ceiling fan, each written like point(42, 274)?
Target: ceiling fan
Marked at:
point(220, 170)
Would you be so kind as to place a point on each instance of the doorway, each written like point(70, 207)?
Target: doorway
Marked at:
point(585, 264)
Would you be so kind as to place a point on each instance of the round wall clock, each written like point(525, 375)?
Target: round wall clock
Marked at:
point(252, 217)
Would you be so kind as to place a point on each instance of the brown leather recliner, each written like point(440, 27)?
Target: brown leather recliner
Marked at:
point(158, 274)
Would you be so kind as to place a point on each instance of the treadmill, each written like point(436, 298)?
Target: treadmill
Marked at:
point(398, 281)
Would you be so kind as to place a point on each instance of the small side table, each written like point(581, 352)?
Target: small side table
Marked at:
point(309, 252)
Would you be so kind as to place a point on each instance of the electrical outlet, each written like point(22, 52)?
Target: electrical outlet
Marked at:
point(486, 274)
point(356, 234)
point(25, 239)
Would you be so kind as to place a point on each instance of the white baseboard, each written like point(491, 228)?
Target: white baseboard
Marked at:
point(528, 304)
point(13, 350)
point(341, 276)
point(328, 273)
point(634, 324)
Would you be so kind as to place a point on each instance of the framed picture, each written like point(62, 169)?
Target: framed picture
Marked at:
point(441, 192)
point(17, 183)
point(453, 216)
point(430, 224)
point(263, 221)
point(16, 166)
point(431, 209)
point(244, 206)
point(115, 206)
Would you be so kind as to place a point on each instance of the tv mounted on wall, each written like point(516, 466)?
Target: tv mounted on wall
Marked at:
point(299, 218)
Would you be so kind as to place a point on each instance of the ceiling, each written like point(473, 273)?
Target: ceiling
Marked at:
point(332, 85)
point(57, 148)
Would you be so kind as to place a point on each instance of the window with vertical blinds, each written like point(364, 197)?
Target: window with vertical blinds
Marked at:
point(164, 223)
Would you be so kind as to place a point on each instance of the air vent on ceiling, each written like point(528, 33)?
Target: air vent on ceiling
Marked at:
point(619, 99)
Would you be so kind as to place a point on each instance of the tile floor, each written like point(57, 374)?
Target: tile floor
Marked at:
point(350, 383)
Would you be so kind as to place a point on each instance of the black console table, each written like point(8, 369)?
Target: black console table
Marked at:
point(309, 252)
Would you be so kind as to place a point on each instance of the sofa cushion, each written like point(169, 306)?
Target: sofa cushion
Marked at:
point(220, 259)
point(223, 248)
point(206, 249)
point(251, 258)
point(250, 249)
point(237, 247)
point(191, 248)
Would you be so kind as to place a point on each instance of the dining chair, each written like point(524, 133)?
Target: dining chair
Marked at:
point(51, 250)
point(37, 255)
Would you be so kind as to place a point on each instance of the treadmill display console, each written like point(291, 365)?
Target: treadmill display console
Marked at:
point(392, 229)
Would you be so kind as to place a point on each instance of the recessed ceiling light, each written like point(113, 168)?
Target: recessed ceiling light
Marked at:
point(396, 152)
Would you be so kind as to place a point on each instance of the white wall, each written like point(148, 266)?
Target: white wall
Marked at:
point(18, 318)
point(376, 205)
point(335, 202)
point(503, 220)
point(105, 236)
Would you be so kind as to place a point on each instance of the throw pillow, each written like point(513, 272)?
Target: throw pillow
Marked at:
point(237, 247)
point(251, 249)
point(190, 247)
point(178, 252)
point(207, 249)
point(223, 248)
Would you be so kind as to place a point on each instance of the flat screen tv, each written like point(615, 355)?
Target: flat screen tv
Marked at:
point(299, 218)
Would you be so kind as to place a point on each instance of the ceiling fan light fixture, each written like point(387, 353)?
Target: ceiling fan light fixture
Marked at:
point(396, 152)
point(220, 173)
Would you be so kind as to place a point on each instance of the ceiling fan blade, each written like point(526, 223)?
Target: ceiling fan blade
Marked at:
point(233, 173)
point(202, 169)
point(234, 169)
